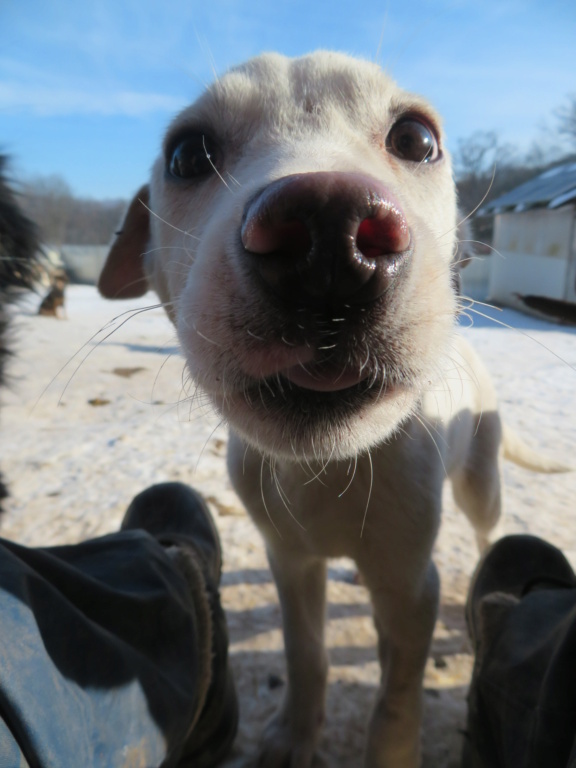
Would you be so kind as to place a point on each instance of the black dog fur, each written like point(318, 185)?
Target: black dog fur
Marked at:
point(18, 263)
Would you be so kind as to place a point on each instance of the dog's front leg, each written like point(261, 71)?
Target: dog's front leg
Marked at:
point(405, 623)
point(291, 737)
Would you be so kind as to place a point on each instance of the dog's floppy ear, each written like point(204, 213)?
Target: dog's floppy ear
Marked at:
point(123, 275)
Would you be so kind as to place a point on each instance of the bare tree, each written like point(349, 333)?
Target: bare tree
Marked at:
point(567, 119)
point(481, 161)
point(63, 218)
point(47, 199)
point(475, 154)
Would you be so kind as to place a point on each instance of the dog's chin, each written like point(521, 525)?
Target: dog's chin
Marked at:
point(282, 419)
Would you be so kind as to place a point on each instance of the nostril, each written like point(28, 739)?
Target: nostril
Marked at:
point(292, 235)
point(379, 236)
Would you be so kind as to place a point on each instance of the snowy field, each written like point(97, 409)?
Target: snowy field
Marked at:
point(97, 411)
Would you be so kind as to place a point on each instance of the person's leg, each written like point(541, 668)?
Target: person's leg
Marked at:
point(108, 648)
point(521, 615)
point(10, 752)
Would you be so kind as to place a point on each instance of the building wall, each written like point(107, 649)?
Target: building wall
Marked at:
point(475, 278)
point(533, 253)
point(84, 262)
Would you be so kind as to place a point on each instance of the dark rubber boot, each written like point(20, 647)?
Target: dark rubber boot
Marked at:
point(177, 516)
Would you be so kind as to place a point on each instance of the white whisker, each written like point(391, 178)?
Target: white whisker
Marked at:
point(369, 494)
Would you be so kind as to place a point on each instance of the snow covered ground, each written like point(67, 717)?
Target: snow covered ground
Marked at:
point(98, 411)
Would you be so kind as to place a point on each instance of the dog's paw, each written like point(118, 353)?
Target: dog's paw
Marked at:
point(280, 749)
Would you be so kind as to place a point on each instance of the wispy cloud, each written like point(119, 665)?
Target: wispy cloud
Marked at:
point(27, 89)
point(35, 100)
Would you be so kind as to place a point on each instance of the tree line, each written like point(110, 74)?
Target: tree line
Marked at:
point(64, 218)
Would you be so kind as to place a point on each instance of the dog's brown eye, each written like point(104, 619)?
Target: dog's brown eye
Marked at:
point(413, 140)
point(193, 157)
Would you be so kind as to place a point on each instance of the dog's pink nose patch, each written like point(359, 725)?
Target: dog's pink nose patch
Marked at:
point(387, 232)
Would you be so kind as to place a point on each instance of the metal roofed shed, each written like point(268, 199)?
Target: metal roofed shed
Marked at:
point(83, 263)
point(535, 241)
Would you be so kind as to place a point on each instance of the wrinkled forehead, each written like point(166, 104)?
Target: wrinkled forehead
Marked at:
point(273, 94)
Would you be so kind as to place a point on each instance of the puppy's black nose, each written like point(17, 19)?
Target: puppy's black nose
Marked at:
point(326, 238)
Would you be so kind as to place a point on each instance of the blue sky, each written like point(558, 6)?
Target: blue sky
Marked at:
point(86, 89)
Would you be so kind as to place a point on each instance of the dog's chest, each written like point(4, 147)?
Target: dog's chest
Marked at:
point(335, 509)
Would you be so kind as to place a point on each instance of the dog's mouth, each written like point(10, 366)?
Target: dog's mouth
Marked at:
point(305, 370)
point(334, 371)
point(311, 394)
point(323, 377)
point(308, 384)
point(320, 389)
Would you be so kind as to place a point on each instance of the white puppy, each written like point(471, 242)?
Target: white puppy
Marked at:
point(300, 226)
